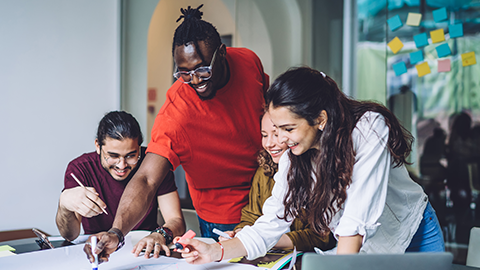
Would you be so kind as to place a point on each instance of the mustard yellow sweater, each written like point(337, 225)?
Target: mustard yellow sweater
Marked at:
point(303, 238)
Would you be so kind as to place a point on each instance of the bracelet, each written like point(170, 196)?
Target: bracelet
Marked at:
point(223, 251)
point(121, 238)
point(166, 233)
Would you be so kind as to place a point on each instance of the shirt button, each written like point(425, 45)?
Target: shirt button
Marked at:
point(425, 199)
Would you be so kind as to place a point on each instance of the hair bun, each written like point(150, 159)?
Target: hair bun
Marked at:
point(191, 13)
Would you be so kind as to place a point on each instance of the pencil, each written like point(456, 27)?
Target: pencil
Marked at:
point(80, 183)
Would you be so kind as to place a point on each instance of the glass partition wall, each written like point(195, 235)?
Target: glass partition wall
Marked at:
point(418, 57)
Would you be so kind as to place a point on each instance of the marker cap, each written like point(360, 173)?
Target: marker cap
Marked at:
point(190, 234)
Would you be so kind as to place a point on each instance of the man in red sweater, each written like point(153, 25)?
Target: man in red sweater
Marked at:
point(209, 124)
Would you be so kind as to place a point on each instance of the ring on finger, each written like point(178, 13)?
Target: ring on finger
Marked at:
point(158, 244)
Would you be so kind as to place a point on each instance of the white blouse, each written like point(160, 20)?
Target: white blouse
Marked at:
point(383, 203)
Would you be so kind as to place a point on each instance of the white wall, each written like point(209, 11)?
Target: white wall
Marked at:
point(59, 74)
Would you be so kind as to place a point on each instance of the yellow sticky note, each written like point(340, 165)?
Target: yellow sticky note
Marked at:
point(437, 35)
point(6, 247)
point(395, 45)
point(414, 19)
point(423, 69)
point(468, 59)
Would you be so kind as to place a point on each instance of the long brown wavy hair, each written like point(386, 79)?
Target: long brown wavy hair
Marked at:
point(306, 92)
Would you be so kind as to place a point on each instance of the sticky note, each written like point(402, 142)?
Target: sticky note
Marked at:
point(422, 69)
point(413, 19)
point(468, 59)
point(416, 57)
point(394, 23)
point(421, 40)
point(455, 30)
point(437, 35)
point(395, 45)
point(399, 68)
point(440, 15)
point(6, 247)
point(443, 50)
point(444, 65)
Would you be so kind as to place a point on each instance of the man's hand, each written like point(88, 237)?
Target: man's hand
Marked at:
point(106, 245)
point(154, 242)
point(82, 201)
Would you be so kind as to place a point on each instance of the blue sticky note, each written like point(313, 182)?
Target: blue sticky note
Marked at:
point(399, 68)
point(455, 30)
point(443, 50)
point(421, 40)
point(394, 23)
point(440, 14)
point(416, 57)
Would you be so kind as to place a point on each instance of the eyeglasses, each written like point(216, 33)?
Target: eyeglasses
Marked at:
point(203, 73)
point(130, 159)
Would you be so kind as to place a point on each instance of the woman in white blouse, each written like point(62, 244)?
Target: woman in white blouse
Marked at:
point(345, 167)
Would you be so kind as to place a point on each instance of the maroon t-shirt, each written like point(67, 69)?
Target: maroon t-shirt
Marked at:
point(88, 169)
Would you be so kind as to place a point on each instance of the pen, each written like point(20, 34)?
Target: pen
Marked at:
point(217, 231)
point(80, 184)
point(190, 234)
point(94, 245)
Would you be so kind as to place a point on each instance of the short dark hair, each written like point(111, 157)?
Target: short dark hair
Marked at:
point(118, 125)
point(194, 29)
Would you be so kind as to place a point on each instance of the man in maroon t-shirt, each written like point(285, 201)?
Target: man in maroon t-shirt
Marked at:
point(104, 175)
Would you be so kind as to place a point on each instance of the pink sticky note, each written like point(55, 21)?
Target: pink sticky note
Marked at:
point(444, 65)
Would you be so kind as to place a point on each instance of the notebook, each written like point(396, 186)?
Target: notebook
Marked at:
point(407, 261)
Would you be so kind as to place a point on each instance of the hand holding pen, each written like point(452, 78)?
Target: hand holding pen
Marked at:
point(106, 244)
point(82, 200)
point(223, 235)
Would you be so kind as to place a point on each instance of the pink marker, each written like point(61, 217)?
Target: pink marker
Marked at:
point(190, 234)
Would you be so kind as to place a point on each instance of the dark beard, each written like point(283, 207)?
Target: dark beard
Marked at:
point(212, 95)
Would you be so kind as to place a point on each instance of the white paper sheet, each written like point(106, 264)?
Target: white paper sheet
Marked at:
point(73, 257)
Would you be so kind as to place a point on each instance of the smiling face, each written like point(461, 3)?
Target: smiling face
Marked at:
point(188, 58)
point(295, 131)
point(126, 149)
point(270, 140)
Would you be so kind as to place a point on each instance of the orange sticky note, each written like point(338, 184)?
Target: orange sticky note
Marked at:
point(423, 69)
point(395, 45)
point(437, 35)
point(468, 59)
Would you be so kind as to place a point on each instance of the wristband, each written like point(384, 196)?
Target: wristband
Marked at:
point(166, 233)
point(121, 238)
point(223, 251)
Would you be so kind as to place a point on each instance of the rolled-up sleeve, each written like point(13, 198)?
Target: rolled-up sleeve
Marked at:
point(267, 230)
point(367, 194)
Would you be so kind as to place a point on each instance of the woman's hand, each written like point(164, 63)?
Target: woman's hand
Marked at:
point(198, 252)
point(230, 233)
point(154, 242)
